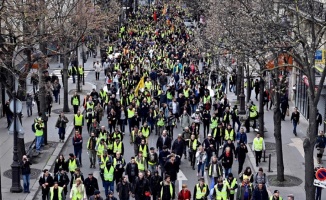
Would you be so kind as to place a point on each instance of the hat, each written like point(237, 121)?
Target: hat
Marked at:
point(71, 155)
point(231, 175)
point(152, 148)
point(96, 192)
point(209, 135)
point(165, 147)
point(276, 191)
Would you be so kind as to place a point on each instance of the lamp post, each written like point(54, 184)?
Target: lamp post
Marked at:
point(15, 166)
point(242, 96)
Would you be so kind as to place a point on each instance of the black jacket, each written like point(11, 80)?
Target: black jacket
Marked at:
point(141, 186)
point(159, 143)
point(166, 194)
point(123, 189)
point(25, 166)
point(62, 179)
point(172, 169)
point(155, 184)
point(240, 153)
point(91, 185)
point(129, 168)
point(49, 180)
point(178, 146)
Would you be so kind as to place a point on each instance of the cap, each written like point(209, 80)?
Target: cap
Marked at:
point(71, 155)
point(231, 175)
point(96, 192)
point(209, 135)
point(276, 191)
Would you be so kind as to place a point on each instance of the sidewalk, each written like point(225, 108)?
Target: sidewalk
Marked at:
point(51, 151)
point(293, 153)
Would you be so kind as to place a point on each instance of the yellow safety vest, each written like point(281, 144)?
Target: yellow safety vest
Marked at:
point(145, 131)
point(37, 131)
point(169, 96)
point(89, 106)
point(104, 161)
point(210, 170)
point(171, 189)
point(258, 144)
point(148, 85)
point(186, 93)
point(194, 144)
point(160, 122)
point(100, 149)
point(80, 70)
point(78, 120)
point(229, 135)
point(78, 195)
point(233, 183)
point(72, 165)
point(108, 174)
point(131, 113)
point(110, 145)
point(213, 123)
point(221, 195)
point(75, 101)
point(201, 193)
point(144, 151)
point(117, 148)
point(206, 99)
point(141, 164)
point(60, 189)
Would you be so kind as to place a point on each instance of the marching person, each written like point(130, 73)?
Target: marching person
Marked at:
point(91, 185)
point(62, 179)
point(295, 118)
point(258, 146)
point(185, 193)
point(167, 191)
point(56, 192)
point(79, 121)
point(46, 181)
point(124, 189)
point(78, 191)
point(201, 190)
point(61, 124)
point(96, 196)
point(320, 146)
point(75, 102)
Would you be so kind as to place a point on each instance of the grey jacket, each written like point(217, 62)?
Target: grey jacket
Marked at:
point(184, 120)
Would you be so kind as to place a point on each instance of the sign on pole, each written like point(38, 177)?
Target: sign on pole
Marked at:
point(321, 174)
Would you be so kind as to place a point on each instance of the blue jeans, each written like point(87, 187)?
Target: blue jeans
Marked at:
point(227, 171)
point(78, 154)
point(295, 126)
point(38, 143)
point(26, 179)
point(62, 132)
point(107, 185)
point(201, 166)
point(29, 110)
point(193, 108)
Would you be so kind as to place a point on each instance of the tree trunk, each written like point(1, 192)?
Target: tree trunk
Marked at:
point(261, 106)
point(278, 137)
point(308, 146)
point(65, 83)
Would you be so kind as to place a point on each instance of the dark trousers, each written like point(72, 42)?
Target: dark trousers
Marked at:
point(241, 162)
point(45, 194)
point(75, 108)
point(97, 76)
point(206, 129)
point(258, 156)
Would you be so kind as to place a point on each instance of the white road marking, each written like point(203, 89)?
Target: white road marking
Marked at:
point(181, 177)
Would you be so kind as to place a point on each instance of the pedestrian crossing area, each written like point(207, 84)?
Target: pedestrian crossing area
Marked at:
point(57, 72)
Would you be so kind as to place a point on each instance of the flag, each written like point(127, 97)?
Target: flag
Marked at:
point(140, 85)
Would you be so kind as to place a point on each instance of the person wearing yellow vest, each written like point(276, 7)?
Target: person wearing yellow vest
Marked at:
point(118, 163)
point(118, 146)
point(56, 192)
point(215, 169)
point(276, 196)
point(100, 148)
point(117, 134)
point(39, 126)
point(167, 191)
point(103, 96)
point(141, 162)
point(108, 177)
point(258, 146)
point(102, 134)
point(148, 84)
point(75, 102)
point(130, 116)
point(201, 190)
point(143, 148)
point(78, 191)
point(109, 144)
point(80, 73)
point(146, 131)
point(193, 145)
point(229, 134)
point(72, 163)
point(103, 160)
point(79, 121)
point(152, 160)
point(220, 190)
point(232, 185)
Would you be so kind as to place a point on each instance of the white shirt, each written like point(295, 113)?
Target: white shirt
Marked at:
point(98, 67)
point(174, 107)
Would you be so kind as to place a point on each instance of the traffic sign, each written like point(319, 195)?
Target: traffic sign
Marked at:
point(318, 183)
point(19, 106)
point(321, 174)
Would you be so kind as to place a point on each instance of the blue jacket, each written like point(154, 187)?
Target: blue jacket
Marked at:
point(321, 142)
point(241, 138)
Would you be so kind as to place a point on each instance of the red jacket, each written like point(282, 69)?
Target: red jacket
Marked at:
point(184, 194)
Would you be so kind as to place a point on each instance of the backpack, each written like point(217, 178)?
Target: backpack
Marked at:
point(264, 175)
point(33, 128)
